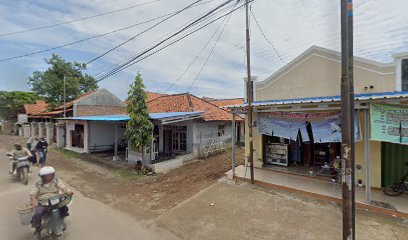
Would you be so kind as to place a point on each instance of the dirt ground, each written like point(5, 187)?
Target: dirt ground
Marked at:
point(192, 202)
point(147, 196)
point(240, 211)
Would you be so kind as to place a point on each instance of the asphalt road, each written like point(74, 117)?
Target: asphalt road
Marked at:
point(89, 219)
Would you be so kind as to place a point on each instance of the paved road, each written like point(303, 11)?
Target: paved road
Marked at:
point(89, 219)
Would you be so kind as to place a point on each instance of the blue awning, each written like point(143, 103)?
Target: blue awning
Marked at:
point(125, 117)
point(327, 99)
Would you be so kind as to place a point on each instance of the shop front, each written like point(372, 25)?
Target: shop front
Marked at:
point(303, 142)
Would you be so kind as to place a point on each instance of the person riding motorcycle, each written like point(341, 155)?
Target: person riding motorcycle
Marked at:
point(42, 190)
point(17, 152)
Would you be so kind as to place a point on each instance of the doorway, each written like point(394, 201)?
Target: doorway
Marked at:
point(78, 136)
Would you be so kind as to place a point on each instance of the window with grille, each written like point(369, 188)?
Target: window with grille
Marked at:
point(404, 74)
point(179, 141)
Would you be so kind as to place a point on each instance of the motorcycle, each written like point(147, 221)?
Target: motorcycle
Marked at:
point(53, 223)
point(22, 168)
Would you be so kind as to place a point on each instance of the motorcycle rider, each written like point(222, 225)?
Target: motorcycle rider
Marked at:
point(17, 152)
point(45, 188)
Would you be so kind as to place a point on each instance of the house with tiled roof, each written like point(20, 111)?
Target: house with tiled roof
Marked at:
point(199, 137)
point(224, 103)
point(41, 122)
point(36, 108)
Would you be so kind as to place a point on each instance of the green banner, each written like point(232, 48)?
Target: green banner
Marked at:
point(389, 123)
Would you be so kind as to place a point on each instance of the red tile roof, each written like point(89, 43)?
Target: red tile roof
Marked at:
point(36, 108)
point(152, 95)
point(227, 102)
point(186, 102)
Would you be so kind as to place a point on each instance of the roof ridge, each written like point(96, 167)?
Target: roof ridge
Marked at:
point(211, 104)
point(190, 102)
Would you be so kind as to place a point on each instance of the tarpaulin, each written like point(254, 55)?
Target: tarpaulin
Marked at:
point(389, 123)
point(328, 129)
point(279, 127)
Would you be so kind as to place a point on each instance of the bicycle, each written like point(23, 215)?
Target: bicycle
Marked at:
point(398, 187)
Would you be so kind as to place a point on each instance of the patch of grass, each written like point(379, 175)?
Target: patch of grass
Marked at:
point(126, 174)
point(120, 172)
point(66, 153)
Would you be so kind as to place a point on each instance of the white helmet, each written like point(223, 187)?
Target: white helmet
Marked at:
point(46, 171)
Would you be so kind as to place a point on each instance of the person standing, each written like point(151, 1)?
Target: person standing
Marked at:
point(42, 149)
point(32, 146)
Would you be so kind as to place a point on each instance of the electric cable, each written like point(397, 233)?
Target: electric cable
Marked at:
point(76, 20)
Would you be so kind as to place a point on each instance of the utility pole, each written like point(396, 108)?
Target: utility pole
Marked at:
point(250, 93)
point(347, 117)
point(65, 108)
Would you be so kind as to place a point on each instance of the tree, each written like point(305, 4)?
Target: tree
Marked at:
point(50, 83)
point(139, 128)
point(12, 103)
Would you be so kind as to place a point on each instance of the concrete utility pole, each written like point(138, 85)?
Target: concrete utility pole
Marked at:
point(347, 117)
point(250, 93)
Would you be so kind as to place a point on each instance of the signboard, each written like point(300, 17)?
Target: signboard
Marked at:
point(389, 123)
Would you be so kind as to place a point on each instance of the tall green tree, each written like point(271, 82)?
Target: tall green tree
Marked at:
point(50, 83)
point(139, 128)
point(12, 103)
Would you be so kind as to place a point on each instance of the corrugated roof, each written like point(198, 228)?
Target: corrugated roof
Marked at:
point(125, 117)
point(186, 102)
point(329, 99)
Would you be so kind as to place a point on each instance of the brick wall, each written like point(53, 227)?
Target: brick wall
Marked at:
point(84, 110)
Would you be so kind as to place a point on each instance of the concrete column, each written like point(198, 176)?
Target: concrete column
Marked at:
point(233, 129)
point(49, 130)
point(34, 129)
point(68, 137)
point(27, 130)
point(86, 136)
point(367, 154)
point(20, 131)
point(60, 134)
point(41, 130)
point(115, 150)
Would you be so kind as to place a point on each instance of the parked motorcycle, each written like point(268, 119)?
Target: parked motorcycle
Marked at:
point(22, 166)
point(53, 223)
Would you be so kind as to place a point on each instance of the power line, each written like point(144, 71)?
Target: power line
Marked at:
point(113, 66)
point(124, 66)
point(196, 57)
point(133, 37)
point(212, 50)
point(82, 40)
point(263, 34)
point(77, 20)
point(131, 61)
point(160, 49)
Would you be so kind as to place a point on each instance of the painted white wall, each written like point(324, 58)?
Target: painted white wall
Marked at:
point(103, 133)
point(204, 130)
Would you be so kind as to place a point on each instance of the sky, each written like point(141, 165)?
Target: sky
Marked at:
point(292, 26)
